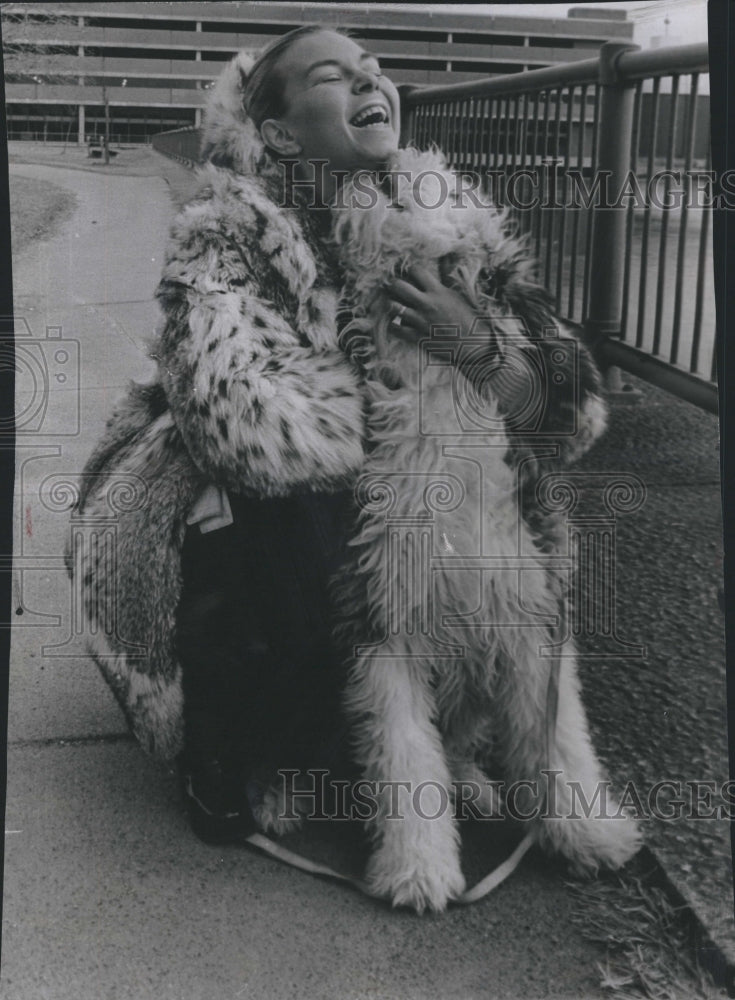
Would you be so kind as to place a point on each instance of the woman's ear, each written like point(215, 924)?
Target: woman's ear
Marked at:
point(278, 138)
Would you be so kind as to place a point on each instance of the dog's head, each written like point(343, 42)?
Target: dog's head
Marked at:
point(389, 220)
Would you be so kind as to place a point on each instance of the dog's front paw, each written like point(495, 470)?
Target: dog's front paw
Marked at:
point(421, 883)
point(592, 842)
point(275, 813)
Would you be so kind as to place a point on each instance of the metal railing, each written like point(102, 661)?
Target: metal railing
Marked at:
point(181, 144)
point(604, 165)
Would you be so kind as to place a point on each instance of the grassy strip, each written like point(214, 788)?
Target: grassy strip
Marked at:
point(37, 209)
point(649, 944)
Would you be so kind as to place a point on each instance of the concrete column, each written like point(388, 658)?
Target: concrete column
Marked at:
point(199, 83)
point(80, 80)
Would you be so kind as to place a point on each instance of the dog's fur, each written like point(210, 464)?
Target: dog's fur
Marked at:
point(419, 716)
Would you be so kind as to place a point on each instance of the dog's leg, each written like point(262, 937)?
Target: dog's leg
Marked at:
point(416, 861)
point(281, 810)
point(474, 793)
point(586, 826)
point(588, 837)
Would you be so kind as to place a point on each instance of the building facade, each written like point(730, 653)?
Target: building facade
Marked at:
point(147, 66)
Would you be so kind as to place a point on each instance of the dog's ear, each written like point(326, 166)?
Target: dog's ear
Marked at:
point(512, 286)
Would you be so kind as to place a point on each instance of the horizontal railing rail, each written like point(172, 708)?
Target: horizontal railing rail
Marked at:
point(604, 166)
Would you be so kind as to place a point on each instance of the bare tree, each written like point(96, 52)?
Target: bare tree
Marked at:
point(28, 59)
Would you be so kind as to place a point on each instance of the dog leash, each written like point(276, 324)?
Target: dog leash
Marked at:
point(483, 888)
point(486, 885)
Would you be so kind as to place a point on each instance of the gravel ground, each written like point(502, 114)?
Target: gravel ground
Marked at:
point(665, 713)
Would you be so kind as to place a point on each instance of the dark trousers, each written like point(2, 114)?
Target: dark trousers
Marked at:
point(262, 680)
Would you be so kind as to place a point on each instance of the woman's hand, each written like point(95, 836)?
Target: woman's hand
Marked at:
point(420, 301)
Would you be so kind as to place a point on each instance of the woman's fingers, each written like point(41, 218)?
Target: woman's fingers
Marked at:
point(405, 292)
point(406, 322)
point(424, 279)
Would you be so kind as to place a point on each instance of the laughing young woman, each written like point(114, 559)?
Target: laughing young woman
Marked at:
point(242, 455)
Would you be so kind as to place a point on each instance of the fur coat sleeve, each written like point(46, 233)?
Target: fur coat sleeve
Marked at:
point(566, 412)
point(264, 399)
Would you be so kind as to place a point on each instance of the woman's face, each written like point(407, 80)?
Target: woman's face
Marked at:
point(339, 106)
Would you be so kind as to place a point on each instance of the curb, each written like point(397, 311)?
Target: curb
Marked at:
point(709, 954)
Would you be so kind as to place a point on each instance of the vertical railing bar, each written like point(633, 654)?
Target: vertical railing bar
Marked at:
point(588, 237)
point(487, 132)
point(472, 133)
point(462, 119)
point(514, 144)
point(459, 119)
point(630, 210)
point(476, 133)
point(492, 135)
point(535, 219)
point(553, 214)
point(522, 216)
point(563, 213)
point(489, 141)
point(647, 215)
point(513, 157)
point(444, 127)
point(463, 125)
point(551, 225)
point(451, 132)
point(470, 136)
point(542, 191)
point(664, 235)
point(701, 266)
point(480, 134)
point(455, 139)
point(502, 158)
point(575, 219)
point(506, 151)
point(454, 132)
point(691, 121)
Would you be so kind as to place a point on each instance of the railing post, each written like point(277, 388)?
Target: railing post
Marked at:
point(407, 114)
point(607, 254)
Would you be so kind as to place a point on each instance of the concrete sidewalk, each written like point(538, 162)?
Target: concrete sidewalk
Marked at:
point(108, 894)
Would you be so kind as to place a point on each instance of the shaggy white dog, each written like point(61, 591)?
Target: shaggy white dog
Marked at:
point(431, 702)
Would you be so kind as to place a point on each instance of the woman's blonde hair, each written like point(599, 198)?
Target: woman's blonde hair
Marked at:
point(264, 92)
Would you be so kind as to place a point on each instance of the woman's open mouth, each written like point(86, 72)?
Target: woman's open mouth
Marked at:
point(372, 116)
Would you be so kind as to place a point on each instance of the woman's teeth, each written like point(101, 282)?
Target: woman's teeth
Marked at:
point(374, 116)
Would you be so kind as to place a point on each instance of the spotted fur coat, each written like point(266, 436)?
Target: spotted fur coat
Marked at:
point(254, 393)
